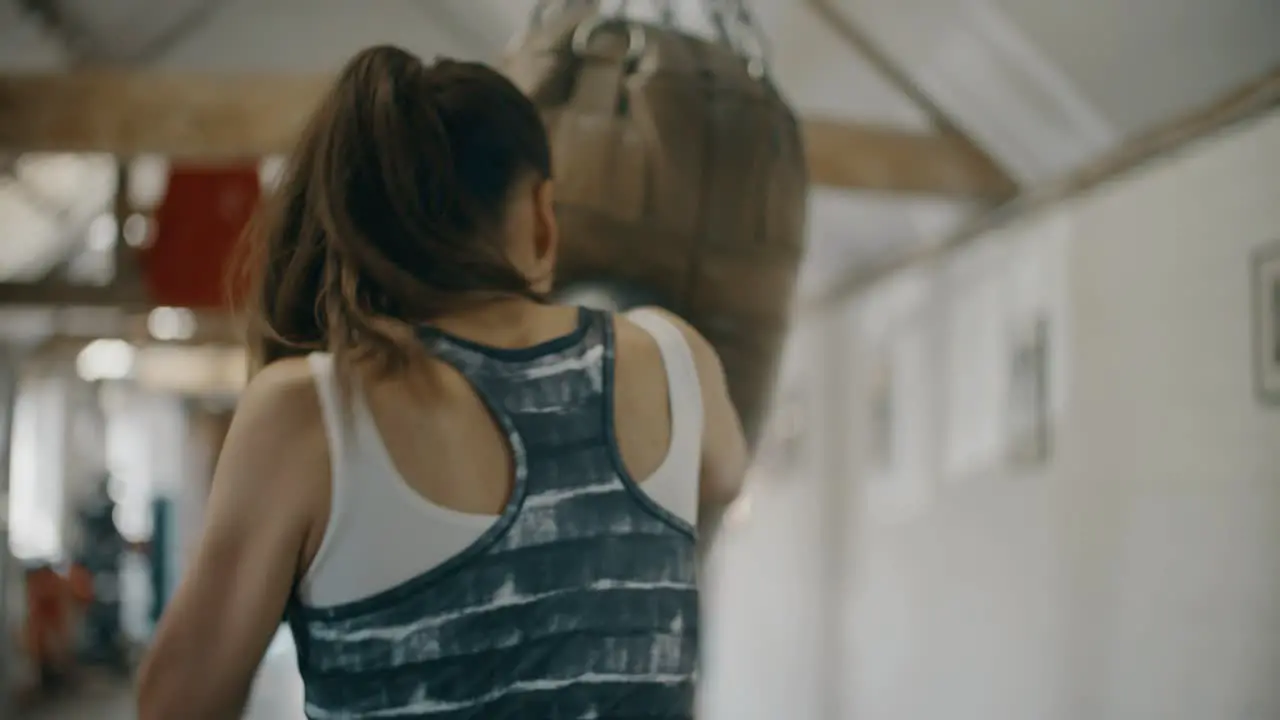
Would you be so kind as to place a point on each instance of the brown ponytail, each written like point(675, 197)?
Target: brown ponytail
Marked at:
point(389, 210)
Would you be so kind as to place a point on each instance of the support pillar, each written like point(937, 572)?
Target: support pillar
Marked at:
point(8, 402)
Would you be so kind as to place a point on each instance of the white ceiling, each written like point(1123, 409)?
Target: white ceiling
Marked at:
point(1143, 61)
point(1043, 85)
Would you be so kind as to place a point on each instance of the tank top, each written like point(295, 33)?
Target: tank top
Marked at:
point(579, 600)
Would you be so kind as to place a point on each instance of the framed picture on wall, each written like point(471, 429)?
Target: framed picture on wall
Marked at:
point(1028, 414)
point(881, 421)
point(1266, 322)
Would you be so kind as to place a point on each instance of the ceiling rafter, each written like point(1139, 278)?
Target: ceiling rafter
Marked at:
point(217, 117)
point(1249, 100)
point(862, 43)
point(88, 50)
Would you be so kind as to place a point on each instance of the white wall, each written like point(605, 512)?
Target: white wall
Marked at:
point(767, 581)
point(954, 575)
point(1177, 507)
point(1134, 574)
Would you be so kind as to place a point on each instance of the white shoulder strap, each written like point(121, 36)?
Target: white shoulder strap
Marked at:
point(324, 374)
point(685, 388)
point(322, 371)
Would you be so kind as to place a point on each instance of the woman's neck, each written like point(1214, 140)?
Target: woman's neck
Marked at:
point(509, 322)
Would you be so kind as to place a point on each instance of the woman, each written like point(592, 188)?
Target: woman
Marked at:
point(467, 502)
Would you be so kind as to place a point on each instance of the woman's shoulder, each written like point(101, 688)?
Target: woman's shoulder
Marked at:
point(287, 385)
point(282, 401)
point(277, 437)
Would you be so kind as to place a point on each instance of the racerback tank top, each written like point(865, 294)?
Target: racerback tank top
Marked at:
point(579, 600)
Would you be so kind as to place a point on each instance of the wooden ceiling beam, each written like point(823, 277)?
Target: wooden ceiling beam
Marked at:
point(133, 113)
point(64, 294)
point(1258, 96)
point(211, 117)
point(42, 310)
point(867, 157)
point(864, 45)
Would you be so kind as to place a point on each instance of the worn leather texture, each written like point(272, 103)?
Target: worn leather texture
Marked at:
point(679, 172)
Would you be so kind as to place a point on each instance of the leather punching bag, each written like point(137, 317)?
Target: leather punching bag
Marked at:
point(680, 178)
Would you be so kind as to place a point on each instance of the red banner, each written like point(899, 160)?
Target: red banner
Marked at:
point(197, 227)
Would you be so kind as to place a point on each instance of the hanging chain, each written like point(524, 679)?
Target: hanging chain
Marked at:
point(755, 42)
point(613, 8)
point(733, 22)
point(666, 12)
point(544, 9)
point(715, 11)
point(539, 13)
point(738, 29)
point(536, 17)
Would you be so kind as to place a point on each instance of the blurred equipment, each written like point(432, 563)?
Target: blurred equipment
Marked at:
point(96, 578)
point(680, 172)
point(162, 551)
point(53, 610)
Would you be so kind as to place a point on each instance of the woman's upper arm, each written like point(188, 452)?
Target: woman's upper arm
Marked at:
point(262, 509)
point(725, 455)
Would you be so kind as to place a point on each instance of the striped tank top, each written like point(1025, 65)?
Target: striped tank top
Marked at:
point(580, 601)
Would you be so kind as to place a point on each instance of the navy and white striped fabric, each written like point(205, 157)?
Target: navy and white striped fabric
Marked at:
point(580, 602)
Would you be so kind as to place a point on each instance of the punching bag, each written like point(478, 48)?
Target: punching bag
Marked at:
point(680, 178)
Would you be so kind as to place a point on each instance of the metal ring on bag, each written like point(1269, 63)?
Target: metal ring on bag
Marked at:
point(636, 38)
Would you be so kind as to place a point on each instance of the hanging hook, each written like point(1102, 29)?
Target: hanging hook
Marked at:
point(636, 39)
point(755, 44)
point(666, 12)
point(616, 8)
point(715, 12)
point(738, 30)
point(537, 16)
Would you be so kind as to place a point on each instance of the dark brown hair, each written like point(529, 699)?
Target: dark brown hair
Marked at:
point(389, 210)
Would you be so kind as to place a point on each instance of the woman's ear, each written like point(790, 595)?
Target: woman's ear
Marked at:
point(546, 234)
point(546, 229)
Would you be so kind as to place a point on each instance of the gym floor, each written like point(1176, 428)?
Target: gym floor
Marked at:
point(95, 697)
point(277, 693)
